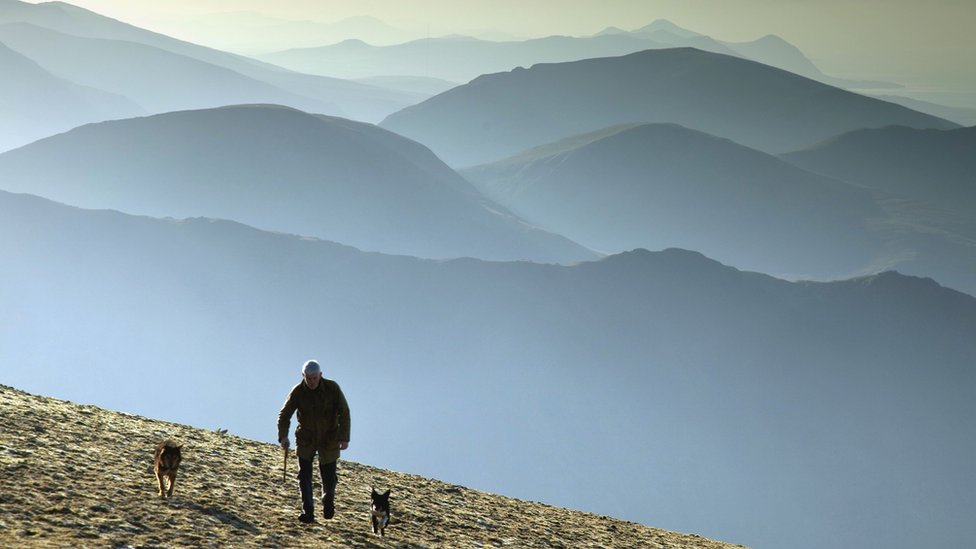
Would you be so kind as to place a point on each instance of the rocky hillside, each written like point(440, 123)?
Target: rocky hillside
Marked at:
point(80, 476)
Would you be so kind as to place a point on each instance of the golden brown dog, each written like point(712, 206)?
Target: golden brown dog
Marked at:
point(167, 461)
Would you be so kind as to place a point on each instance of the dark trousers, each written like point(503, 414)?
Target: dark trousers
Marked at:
point(329, 480)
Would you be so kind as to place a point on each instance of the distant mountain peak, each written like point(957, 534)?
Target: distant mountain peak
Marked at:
point(773, 38)
point(892, 277)
point(354, 42)
point(611, 31)
point(777, 42)
point(671, 257)
point(668, 26)
point(910, 287)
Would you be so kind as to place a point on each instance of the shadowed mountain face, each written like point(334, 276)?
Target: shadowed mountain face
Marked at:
point(285, 170)
point(660, 185)
point(34, 103)
point(926, 179)
point(110, 499)
point(498, 115)
point(930, 165)
point(658, 387)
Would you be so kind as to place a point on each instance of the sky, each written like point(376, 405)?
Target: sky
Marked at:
point(923, 45)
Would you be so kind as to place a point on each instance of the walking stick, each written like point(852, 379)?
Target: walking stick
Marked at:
point(284, 469)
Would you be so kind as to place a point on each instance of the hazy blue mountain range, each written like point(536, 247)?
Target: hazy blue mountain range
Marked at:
point(659, 27)
point(665, 26)
point(460, 59)
point(452, 58)
point(34, 103)
point(931, 165)
point(659, 387)
point(251, 32)
point(926, 177)
point(357, 100)
point(662, 185)
point(281, 169)
point(498, 115)
point(776, 52)
point(769, 50)
point(158, 80)
point(76, 21)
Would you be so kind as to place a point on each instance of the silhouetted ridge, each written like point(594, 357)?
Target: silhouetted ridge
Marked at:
point(932, 165)
point(665, 25)
point(663, 185)
point(164, 74)
point(674, 258)
point(673, 360)
point(34, 103)
point(896, 284)
point(281, 169)
point(753, 104)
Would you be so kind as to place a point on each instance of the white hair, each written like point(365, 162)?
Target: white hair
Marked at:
point(311, 367)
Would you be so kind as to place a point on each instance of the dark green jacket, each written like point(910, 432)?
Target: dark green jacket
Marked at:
point(323, 419)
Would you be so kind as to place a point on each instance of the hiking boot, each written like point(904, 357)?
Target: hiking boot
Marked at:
point(328, 504)
point(306, 518)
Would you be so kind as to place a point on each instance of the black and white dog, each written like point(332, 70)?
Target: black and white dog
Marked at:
point(380, 513)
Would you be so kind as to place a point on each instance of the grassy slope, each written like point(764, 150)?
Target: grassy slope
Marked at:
point(80, 476)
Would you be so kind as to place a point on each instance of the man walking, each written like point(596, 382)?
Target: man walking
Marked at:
point(323, 428)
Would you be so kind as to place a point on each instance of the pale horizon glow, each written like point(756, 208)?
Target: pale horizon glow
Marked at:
point(927, 47)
